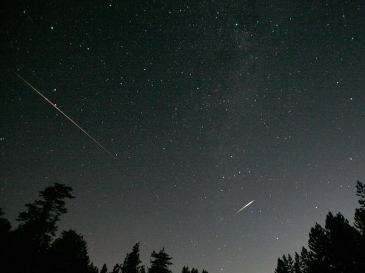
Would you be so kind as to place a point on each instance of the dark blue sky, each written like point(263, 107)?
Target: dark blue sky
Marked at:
point(208, 104)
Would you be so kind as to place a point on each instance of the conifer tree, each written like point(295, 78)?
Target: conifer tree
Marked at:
point(280, 266)
point(117, 268)
point(284, 265)
point(37, 228)
point(185, 269)
point(360, 212)
point(132, 262)
point(360, 225)
point(38, 222)
point(305, 260)
point(160, 262)
point(194, 270)
point(91, 269)
point(69, 254)
point(343, 239)
point(104, 269)
point(297, 264)
point(336, 247)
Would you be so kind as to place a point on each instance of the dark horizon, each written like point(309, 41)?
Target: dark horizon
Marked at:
point(208, 106)
point(34, 246)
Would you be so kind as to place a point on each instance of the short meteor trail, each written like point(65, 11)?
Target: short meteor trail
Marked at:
point(66, 116)
point(245, 206)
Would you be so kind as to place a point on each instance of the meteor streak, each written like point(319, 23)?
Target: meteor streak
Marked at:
point(245, 206)
point(64, 114)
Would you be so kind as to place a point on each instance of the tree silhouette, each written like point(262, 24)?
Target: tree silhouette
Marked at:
point(160, 262)
point(132, 262)
point(285, 265)
point(304, 260)
point(194, 270)
point(360, 212)
point(38, 222)
point(343, 240)
point(360, 225)
point(104, 269)
point(117, 268)
point(92, 268)
point(335, 247)
point(297, 266)
point(338, 247)
point(69, 254)
point(185, 269)
point(30, 241)
point(5, 228)
point(5, 225)
point(32, 247)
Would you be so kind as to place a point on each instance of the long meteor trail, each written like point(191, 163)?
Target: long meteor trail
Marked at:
point(66, 116)
point(245, 206)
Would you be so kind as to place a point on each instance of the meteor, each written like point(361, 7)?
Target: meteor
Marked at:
point(66, 116)
point(245, 206)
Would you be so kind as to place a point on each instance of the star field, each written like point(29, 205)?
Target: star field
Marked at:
point(207, 104)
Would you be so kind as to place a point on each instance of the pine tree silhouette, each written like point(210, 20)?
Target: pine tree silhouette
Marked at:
point(360, 225)
point(194, 270)
point(31, 240)
point(338, 247)
point(297, 266)
point(104, 269)
point(32, 247)
point(117, 268)
point(185, 269)
point(160, 262)
point(285, 265)
point(69, 254)
point(132, 262)
point(38, 222)
point(360, 212)
point(304, 260)
point(92, 268)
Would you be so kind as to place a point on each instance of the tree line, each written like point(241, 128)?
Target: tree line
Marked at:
point(33, 247)
point(338, 247)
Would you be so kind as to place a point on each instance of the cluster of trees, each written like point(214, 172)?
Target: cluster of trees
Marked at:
point(193, 270)
point(33, 246)
point(338, 247)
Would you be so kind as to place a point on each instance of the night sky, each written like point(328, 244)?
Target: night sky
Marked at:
point(207, 104)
